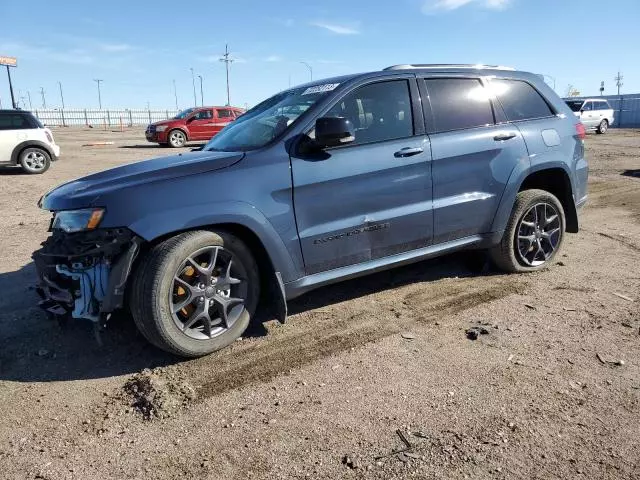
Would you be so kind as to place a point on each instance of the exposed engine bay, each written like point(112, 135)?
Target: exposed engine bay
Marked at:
point(83, 274)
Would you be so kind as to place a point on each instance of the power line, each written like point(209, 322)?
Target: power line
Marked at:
point(225, 58)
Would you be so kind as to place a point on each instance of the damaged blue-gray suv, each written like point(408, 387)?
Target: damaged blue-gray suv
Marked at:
point(319, 183)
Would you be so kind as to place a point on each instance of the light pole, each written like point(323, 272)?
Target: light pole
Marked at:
point(201, 94)
point(61, 96)
point(175, 93)
point(98, 81)
point(193, 82)
point(44, 100)
point(310, 69)
point(29, 97)
point(225, 58)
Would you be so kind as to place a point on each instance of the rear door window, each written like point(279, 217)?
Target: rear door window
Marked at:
point(520, 100)
point(225, 113)
point(459, 103)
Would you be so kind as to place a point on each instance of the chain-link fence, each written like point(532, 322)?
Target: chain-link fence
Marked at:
point(125, 117)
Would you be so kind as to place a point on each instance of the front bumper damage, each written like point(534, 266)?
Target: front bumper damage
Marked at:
point(84, 274)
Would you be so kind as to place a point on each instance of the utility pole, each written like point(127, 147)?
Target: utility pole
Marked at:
point(98, 81)
point(201, 94)
point(175, 93)
point(13, 100)
point(29, 97)
point(61, 96)
point(310, 69)
point(618, 78)
point(225, 58)
point(44, 100)
point(193, 82)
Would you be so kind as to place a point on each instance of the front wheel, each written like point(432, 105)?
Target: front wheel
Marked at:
point(195, 293)
point(533, 235)
point(177, 138)
point(603, 127)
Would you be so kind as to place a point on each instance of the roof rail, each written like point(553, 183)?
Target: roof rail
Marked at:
point(408, 66)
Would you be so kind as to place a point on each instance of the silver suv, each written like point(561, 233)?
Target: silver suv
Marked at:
point(594, 113)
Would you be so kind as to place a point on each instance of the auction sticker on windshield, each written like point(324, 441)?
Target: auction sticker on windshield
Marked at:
point(327, 87)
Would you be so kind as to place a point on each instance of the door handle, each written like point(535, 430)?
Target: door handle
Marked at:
point(408, 152)
point(501, 137)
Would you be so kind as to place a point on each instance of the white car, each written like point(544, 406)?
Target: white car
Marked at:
point(594, 113)
point(24, 141)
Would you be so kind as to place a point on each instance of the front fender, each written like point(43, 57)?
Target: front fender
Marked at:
point(517, 178)
point(165, 222)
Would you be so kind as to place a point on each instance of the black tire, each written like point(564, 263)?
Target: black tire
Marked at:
point(176, 138)
point(153, 282)
point(603, 127)
point(507, 254)
point(34, 160)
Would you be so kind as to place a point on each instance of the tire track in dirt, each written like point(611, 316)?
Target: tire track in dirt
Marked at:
point(302, 343)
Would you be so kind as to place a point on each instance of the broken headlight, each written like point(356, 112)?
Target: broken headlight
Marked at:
point(77, 220)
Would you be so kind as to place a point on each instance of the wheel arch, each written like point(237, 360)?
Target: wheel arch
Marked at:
point(551, 177)
point(21, 147)
point(182, 129)
point(236, 217)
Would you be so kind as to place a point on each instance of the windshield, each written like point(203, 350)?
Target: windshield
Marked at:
point(184, 113)
point(575, 105)
point(268, 120)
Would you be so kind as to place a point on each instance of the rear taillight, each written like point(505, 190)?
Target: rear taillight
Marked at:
point(580, 131)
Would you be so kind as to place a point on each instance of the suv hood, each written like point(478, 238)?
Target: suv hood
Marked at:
point(86, 191)
point(169, 121)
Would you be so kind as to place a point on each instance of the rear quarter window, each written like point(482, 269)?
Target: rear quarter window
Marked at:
point(520, 100)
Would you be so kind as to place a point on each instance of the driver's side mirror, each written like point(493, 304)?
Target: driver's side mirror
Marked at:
point(334, 131)
point(191, 119)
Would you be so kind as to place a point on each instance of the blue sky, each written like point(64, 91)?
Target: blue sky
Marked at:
point(139, 48)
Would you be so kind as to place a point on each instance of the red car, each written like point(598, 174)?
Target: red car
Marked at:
point(200, 123)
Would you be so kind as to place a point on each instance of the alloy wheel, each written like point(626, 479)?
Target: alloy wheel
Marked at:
point(208, 293)
point(538, 234)
point(177, 139)
point(35, 161)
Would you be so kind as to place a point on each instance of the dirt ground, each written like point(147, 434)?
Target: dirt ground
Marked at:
point(360, 370)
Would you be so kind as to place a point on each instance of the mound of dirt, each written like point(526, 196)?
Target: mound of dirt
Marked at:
point(157, 394)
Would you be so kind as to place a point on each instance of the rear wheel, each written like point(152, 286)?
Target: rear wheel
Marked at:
point(195, 293)
point(533, 235)
point(34, 160)
point(177, 138)
point(603, 127)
